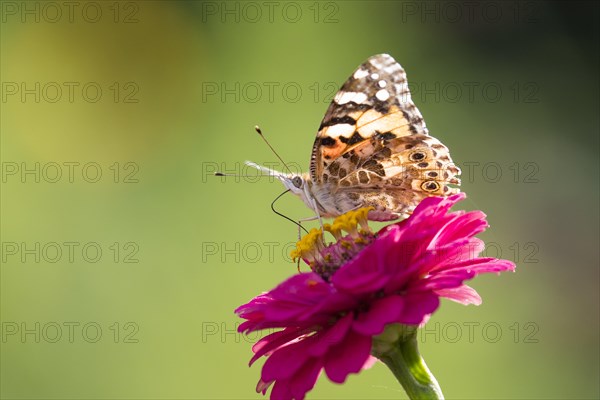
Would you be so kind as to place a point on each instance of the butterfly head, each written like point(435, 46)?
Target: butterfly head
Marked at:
point(298, 184)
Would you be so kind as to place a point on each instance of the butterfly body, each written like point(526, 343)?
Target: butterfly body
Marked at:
point(373, 149)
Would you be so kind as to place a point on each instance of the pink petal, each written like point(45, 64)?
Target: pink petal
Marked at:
point(463, 294)
point(321, 342)
point(363, 274)
point(306, 378)
point(418, 306)
point(274, 341)
point(262, 387)
point(370, 362)
point(380, 313)
point(281, 391)
point(347, 357)
point(462, 225)
point(284, 363)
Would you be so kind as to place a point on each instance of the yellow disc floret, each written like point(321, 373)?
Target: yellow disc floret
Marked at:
point(335, 230)
point(312, 244)
point(309, 246)
point(362, 217)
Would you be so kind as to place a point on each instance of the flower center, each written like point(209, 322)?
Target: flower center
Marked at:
point(324, 259)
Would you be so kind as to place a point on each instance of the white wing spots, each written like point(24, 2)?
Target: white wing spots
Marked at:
point(346, 97)
point(360, 73)
point(374, 76)
point(334, 131)
point(381, 83)
point(382, 95)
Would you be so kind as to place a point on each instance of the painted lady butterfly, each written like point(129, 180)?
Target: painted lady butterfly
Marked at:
point(373, 149)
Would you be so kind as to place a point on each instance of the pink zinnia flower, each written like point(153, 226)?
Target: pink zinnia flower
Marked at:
point(358, 286)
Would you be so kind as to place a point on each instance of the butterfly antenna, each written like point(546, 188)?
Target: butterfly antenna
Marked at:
point(241, 176)
point(285, 216)
point(257, 129)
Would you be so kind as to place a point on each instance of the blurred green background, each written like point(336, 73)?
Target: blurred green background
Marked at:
point(123, 258)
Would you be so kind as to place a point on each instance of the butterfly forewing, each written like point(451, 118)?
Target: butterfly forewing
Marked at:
point(373, 148)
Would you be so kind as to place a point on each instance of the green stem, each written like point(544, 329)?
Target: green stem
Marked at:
point(405, 361)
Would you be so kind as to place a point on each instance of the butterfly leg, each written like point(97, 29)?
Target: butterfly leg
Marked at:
point(314, 204)
point(300, 224)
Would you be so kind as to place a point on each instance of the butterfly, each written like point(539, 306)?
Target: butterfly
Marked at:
point(373, 149)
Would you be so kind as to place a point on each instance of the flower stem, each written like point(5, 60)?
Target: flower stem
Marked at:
point(407, 365)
